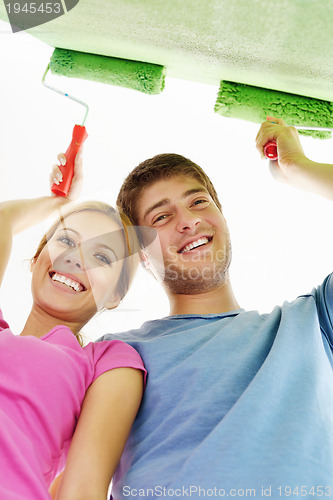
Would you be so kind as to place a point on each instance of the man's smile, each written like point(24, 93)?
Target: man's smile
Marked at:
point(195, 243)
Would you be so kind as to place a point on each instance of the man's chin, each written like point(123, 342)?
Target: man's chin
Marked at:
point(194, 280)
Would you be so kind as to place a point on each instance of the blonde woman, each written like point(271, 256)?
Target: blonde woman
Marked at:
point(64, 406)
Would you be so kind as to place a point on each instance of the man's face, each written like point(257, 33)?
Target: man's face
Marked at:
point(193, 234)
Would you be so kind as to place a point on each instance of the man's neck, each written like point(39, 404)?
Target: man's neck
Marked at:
point(219, 300)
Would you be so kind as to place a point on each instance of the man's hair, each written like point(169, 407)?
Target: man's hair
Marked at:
point(160, 167)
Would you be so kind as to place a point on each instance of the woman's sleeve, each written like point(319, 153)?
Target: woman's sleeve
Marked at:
point(3, 323)
point(110, 354)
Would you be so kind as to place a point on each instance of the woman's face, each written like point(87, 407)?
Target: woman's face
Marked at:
point(77, 272)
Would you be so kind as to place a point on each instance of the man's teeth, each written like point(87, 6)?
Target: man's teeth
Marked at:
point(194, 244)
point(67, 281)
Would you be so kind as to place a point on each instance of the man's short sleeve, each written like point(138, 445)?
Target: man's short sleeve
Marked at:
point(325, 308)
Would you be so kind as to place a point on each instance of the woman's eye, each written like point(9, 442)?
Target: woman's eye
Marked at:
point(67, 241)
point(103, 258)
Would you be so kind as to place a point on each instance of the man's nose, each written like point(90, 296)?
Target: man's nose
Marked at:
point(187, 220)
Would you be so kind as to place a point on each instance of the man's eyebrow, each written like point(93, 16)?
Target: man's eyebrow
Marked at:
point(195, 190)
point(167, 201)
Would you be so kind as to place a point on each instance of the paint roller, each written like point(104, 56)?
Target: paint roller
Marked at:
point(312, 117)
point(78, 138)
point(137, 75)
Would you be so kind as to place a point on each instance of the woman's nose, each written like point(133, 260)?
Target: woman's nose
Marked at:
point(70, 261)
point(73, 262)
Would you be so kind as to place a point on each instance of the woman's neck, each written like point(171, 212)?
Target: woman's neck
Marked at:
point(40, 322)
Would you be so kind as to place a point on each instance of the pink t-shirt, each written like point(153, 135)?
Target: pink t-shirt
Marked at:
point(43, 382)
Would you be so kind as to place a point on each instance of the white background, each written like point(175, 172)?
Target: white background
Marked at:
point(282, 238)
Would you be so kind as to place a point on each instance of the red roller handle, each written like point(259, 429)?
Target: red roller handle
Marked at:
point(67, 170)
point(270, 150)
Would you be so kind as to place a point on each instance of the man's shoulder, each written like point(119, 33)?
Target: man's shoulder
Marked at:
point(147, 329)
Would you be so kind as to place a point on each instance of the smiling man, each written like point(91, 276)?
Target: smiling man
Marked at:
point(193, 235)
point(237, 403)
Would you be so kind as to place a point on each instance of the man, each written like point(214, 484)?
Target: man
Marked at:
point(237, 403)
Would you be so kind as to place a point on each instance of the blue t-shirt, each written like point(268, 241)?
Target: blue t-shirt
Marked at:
point(237, 404)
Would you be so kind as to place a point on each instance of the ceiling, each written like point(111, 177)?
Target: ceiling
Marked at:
point(284, 45)
point(276, 231)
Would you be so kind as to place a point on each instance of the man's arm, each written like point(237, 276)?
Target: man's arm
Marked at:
point(292, 165)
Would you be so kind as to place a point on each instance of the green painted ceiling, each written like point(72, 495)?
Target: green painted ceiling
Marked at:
point(284, 45)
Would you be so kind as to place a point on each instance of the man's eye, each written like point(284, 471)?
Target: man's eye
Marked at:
point(159, 218)
point(103, 258)
point(198, 202)
point(67, 241)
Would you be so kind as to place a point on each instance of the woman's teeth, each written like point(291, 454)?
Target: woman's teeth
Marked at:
point(67, 281)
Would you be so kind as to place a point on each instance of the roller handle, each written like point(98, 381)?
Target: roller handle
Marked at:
point(67, 170)
point(270, 150)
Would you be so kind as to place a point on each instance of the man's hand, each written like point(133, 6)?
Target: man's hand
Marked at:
point(76, 185)
point(292, 165)
point(290, 151)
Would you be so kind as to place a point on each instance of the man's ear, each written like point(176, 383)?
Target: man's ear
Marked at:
point(32, 264)
point(113, 302)
point(153, 265)
point(144, 259)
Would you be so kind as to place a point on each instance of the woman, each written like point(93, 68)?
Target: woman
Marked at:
point(62, 404)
